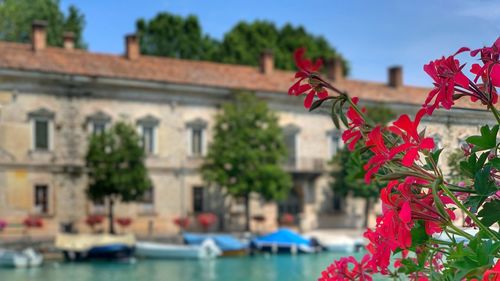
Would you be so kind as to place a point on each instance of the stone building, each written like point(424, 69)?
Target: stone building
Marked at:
point(52, 99)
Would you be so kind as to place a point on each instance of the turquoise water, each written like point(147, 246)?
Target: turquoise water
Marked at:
point(253, 268)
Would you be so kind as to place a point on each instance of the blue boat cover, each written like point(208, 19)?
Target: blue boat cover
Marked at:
point(225, 242)
point(283, 236)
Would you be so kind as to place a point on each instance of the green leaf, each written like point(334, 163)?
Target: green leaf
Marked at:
point(495, 163)
point(319, 102)
point(487, 139)
point(484, 184)
point(490, 213)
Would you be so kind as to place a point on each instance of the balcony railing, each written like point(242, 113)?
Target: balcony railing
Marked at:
point(305, 164)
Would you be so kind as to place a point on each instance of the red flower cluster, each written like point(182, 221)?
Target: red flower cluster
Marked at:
point(182, 222)
point(206, 220)
point(353, 134)
point(33, 222)
point(94, 220)
point(450, 83)
point(348, 269)
point(307, 71)
point(124, 222)
point(3, 224)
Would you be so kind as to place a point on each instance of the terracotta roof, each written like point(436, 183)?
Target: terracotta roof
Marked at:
point(147, 68)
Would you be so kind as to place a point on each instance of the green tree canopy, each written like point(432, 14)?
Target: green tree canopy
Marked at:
point(116, 170)
point(247, 151)
point(347, 167)
point(175, 36)
point(16, 17)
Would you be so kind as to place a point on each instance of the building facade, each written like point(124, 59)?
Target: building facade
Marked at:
point(53, 99)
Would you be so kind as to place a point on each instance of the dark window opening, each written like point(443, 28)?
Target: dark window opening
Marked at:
point(198, 193)
point(42, 199)
point(41, 134)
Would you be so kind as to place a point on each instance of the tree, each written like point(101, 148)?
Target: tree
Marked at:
point(247, 151)
point(16, 17)
point(347, 168)
point(244, 43)
point(116, 170)
point(174, 36)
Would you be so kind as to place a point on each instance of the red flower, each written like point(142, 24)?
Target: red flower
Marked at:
point(380, 249)
point(491, 68)
point(352, 135)
point(446, 73)
point(94, 220)
point(307, 70)
point(492, 274)
point(124, 222)
point(206, 220)
point(33, 222)
point(413, 143)
point(396, 221)
point(182, 222)
point(375, 142)
point(348, 269)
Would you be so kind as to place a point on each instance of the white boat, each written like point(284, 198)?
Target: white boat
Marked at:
point(208, 249)
point(20, 259)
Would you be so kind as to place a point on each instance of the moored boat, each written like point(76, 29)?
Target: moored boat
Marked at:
point(228, 244)
point(207, 249)
point(283, 241)
point(77, 247)
point(20, 259)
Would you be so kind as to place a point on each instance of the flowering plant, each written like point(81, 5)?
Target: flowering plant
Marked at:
point(124, 222)
point(3, 225)
point(94, 220)
point(416, 235)
point(206, 220)
point(287, 219)
point(182, 222)
point(33, 222)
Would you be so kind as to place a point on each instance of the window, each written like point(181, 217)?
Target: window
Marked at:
point(290, 136)
point(98, 122)
point(147, 202)
point(98, 128)
point(334, 138)
point(198, 194)
point(41, 134)
point(337, 203)
point(148, 137)
point(196, 137)
point(41, 122)
point(196, 142)
point(41, 199)
point(147, 128)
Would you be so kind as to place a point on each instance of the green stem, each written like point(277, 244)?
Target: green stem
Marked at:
point(470, 214)
point(495, 112)
point(356, 108)
point(460, 232)
point(437, 241)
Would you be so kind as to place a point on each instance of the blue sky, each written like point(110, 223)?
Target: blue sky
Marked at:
point(371, 34)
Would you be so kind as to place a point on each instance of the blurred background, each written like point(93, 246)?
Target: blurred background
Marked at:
point(195, 92)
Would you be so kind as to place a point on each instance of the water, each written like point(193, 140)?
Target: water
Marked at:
point(252, 268)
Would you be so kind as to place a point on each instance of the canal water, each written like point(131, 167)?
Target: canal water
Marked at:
point(252, 268)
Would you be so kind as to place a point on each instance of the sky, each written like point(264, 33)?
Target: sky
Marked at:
point(372, 34)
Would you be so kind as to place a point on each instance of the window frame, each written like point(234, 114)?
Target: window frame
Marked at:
point(201, 126)
point(149, 122)
point(43, 115)
point(45, 209)
point(194, 202)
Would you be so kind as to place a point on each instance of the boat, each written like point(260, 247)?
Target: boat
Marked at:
point(208, 249)
point(283, 241)
point(20, 259)
point(228, 244)
point(78, 247)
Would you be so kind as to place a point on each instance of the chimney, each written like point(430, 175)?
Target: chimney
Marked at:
point(395, 76)
point(267, 62)
point(335, 69)
point(132, 51)
point(39, 35)
point(69, 40)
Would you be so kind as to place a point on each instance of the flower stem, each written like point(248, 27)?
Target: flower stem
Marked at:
point(469, 213)
point(495, 112)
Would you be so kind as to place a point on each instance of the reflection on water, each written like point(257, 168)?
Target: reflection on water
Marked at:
point(257, 268)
